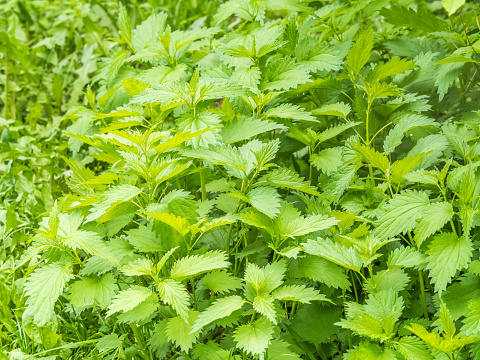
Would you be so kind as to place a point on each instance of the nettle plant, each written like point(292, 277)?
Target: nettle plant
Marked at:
point(294, 186)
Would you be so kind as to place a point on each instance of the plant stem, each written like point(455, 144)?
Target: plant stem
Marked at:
point(422, 289)
point(202, 185)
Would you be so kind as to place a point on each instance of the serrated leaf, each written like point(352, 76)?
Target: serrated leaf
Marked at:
point(392, 67)
point(471, 323)
point(219, 309)
point(322, 270)
point(401, 214)
point(339, 109)
point(334, 252)
point(174, 294)
point(290, 111)
point(434, 217)
point(405, 257)
point(93, 291)
point(299, 293)
point(286, 178)
point(179, 330)
point(373, 157)
point(266, 200)
point(360, 51)
point(254, 338)
point(221, 281)
point(110, 341)
point(447, 254)
point(412, 348)
point(43, 287)
point(451, 6)
point(400, 168)
point(196, 264)
point(328, 160)
point(245, 128)
point(128, 299)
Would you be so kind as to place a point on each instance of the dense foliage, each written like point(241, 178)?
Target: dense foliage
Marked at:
point(250, 179)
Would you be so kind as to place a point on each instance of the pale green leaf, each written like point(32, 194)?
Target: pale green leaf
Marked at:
point(266, 200)
point(219, 309)
point(334, 252)
point(179, 330)
point(128, 299)
point(434, 217)
point(197, 264)
point(174, 294)
point(93, 291)
point(221, 281)
point(254, 338)
point(43, 287)
point(401, 214)
point(360, 51)
point(447, 254)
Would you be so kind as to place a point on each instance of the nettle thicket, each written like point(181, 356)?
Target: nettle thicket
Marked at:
point(289, 182)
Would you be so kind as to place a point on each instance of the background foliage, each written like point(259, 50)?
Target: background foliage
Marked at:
point(239, 180)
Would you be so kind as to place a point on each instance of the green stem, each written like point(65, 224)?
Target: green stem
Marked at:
point(140, 340)
point(202, 185)
point(422, 290)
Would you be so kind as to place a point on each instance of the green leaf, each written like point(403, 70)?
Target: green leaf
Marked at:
point(434, 217)
point(299, 226)
point(334, 252)
point(138, 267)
point(322, 270)
point(43, 287)
point(179, 330)
point(128, 299)
point(373, 157)
point(244, 128)
point(407, 122)
point(148, 31)
point(265, 304)
point(471, 323)
point(266, 200)
point(93, 291)
point(401, 214)
point(339, 109)
point(412, 348)
point(328, 160)
point(405, 257)
point(400, 168)
point(144, 240)
point(299, 293)
point(221, 281)
point(286, 178)
point(248, 77)
point(174, 294)
point(158, 341)
point(391, 68)
point(370, 351)
point(290, 111)
point(283, 74)
point(111, 198)
point(451, 6)
point(423, 20)
point(180, 224)
point(219, 309)
point(447, 254)
point(125, 25)
point(280, 350)
point(209, 351)
point(334, 131)
point(108, 342)
point(196, 264)
point(360, 51)
point(254, 338)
